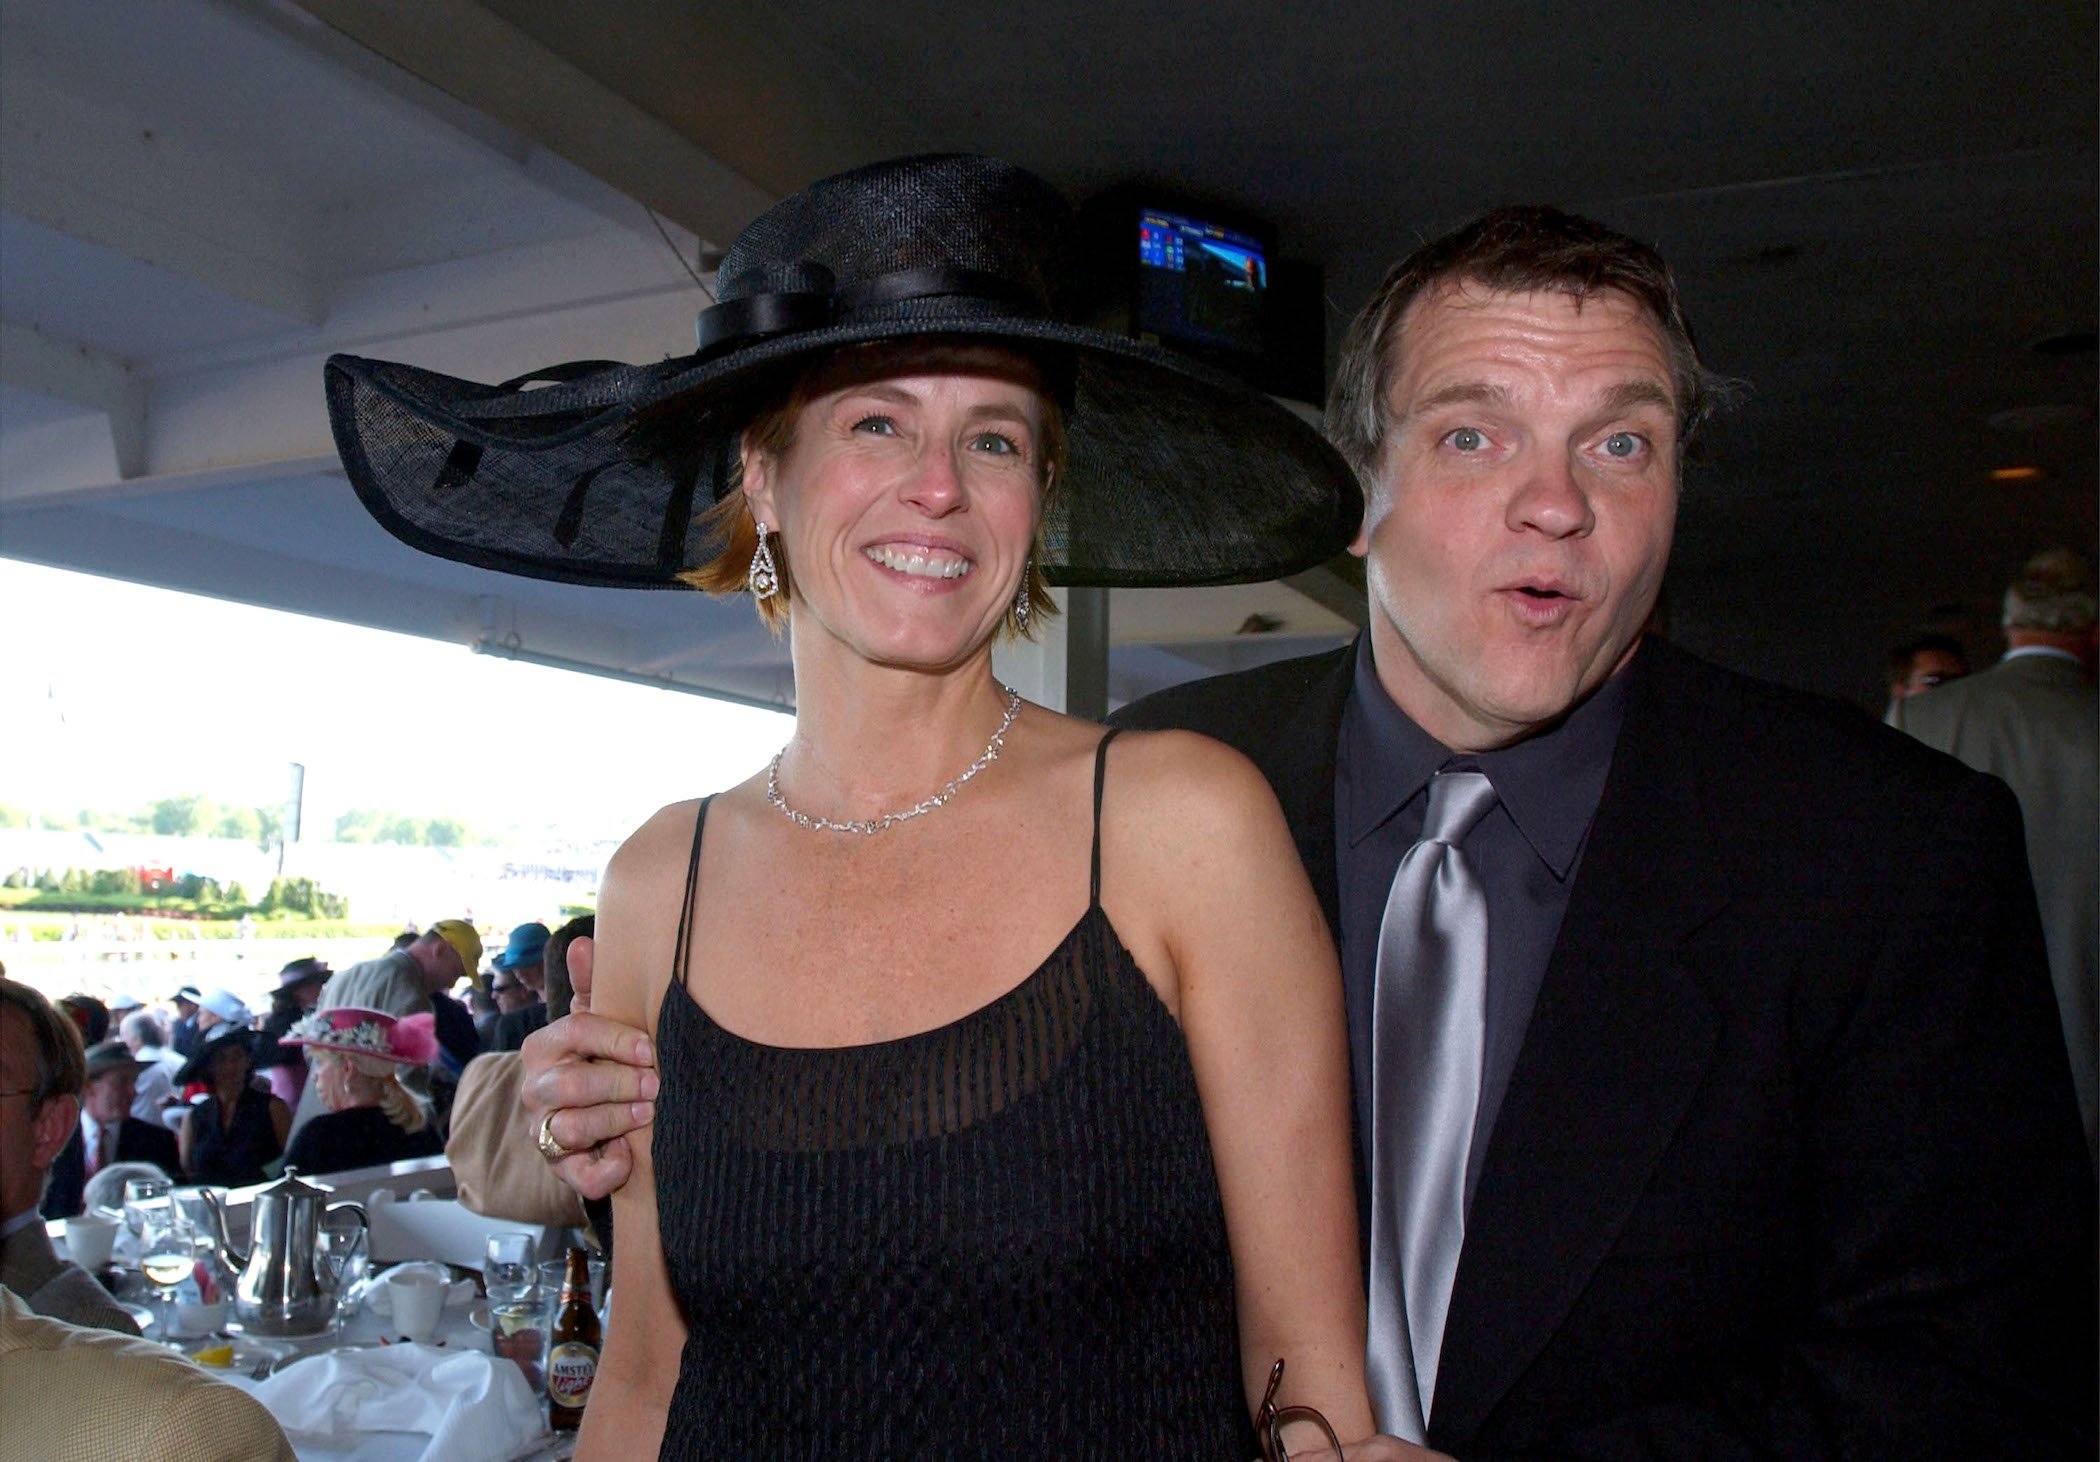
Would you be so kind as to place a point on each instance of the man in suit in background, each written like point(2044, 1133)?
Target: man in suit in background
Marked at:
point(2033, 719)
point(1729, 1115)
point(107, 1132)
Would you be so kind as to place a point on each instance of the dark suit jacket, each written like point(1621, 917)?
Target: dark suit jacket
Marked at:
point(136, 1142)
point(1789, 1163)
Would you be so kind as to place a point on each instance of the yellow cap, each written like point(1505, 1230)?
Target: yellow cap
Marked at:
point(464, 941)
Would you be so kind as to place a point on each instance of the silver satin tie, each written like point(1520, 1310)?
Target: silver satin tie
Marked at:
point(1429, 1021)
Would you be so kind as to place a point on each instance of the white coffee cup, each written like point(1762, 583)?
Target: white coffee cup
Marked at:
point(90, 1240)
point(416, 1299)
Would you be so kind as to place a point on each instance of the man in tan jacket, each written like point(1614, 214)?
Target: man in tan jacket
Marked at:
point(71, 1394)
point(42, 1072)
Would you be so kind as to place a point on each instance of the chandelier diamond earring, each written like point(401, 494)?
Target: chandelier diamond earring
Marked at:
point(1022, 608)
point(764, 578)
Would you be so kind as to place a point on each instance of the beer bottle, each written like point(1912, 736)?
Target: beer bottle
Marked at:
point(572, 1347)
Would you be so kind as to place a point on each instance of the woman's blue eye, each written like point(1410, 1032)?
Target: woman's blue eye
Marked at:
point(1622, 444)
point(879, 425)
point(1467, 439)
point(996, 444)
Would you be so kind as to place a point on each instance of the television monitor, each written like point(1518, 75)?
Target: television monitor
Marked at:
point(1200, 282)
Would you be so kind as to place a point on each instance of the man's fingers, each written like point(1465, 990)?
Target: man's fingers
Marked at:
point(577, 1128)
point(595, 1174)
point(582, 951)
point(586, 1036)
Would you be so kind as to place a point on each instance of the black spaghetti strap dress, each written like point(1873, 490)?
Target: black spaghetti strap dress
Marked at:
point(999, 1238)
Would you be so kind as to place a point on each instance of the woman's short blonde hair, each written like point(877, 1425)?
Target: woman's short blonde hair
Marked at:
point(728, 524)
point(403, 1107)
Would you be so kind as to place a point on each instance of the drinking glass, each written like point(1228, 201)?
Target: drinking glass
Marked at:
point(167, 1255)
point(506, 1269)
point(339, 1252)
point(141, 1196)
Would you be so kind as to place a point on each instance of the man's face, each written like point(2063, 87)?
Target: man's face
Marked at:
point(109, 1095)
point(1521, 512)
point(509, 992)
point(1927, 669)
point(29, 1138)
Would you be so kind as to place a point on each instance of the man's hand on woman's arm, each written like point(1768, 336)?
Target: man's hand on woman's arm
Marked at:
point(598, 1079)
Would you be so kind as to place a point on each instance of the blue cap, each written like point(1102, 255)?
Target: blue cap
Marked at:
point(527, 946)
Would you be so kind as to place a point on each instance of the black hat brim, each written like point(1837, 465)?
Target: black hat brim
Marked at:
point(1176, 474)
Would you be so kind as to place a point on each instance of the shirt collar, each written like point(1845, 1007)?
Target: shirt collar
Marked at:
point(2021, 652)
point(1549, 783)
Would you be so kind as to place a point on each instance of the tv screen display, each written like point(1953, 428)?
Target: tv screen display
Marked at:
point(1200, 282)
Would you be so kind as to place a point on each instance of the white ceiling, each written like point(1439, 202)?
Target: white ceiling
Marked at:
point(201, 199)
point(1874, 210)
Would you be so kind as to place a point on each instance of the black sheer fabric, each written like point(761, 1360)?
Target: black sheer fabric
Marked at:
point(1000, 1238)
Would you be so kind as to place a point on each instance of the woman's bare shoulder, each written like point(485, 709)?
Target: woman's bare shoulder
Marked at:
point(656, 849)
point(1203, 784)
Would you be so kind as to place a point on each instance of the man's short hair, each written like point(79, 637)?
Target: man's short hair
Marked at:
point(1520, 250)
point(559, 993)
point(145, 1027)
point(1905, 655)
point(61, 1061)
point(2053, 592)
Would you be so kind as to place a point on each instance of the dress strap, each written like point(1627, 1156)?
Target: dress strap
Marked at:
point(692, 885)
point(1100, 773)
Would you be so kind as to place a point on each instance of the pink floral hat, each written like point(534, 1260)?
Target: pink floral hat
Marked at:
point(408, 1040)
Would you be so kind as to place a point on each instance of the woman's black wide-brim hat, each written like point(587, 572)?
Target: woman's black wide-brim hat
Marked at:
point(198, 1067)
point(1176, 474)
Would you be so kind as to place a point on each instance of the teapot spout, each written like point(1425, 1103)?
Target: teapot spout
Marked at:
point(237, 1257)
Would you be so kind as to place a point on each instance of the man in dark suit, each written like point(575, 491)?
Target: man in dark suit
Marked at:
point(107, 1132)
point(1767, 1143)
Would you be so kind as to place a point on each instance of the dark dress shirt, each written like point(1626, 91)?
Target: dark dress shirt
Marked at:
point(1526, 851)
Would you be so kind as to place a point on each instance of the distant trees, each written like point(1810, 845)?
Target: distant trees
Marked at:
point(197, 816)
point(368, 825)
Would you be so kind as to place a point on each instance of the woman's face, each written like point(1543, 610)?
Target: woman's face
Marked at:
point(908, 500)
point(229, 1065)
point(341, 1086)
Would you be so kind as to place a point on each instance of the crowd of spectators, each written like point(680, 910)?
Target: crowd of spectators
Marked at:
point(345, 1069)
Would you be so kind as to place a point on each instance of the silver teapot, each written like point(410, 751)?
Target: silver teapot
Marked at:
point(284, 1287)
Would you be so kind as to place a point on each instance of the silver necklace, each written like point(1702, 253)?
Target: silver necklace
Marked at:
point(890, 819)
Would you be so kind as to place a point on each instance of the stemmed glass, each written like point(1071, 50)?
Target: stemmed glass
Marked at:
point(339, 1250)
point(168, 1254)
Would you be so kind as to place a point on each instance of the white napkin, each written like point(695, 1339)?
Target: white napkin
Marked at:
point(474, 1406)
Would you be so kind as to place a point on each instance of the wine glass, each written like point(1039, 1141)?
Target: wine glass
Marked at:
point(167, 1255)
point(339, 1252)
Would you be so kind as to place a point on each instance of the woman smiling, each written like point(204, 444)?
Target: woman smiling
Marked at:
point(1003, 1106)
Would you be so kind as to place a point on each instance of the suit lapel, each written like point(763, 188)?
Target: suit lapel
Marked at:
point(1299, 761)
point(1621, 1035)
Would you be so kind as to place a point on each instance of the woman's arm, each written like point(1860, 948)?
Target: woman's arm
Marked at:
point(1196, 848)
point(645, 1333)
point(184, 1141)
point(280, 1120)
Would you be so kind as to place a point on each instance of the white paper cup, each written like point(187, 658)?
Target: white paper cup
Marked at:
point(90, 1241)
point(416, 1301)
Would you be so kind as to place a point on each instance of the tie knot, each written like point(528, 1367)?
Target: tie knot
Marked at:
point(1457, 801)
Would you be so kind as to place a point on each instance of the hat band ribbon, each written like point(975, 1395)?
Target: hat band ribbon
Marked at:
point(758, 316)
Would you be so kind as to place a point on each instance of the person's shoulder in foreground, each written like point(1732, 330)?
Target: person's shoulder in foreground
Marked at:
point(71, 1394)
point(55, 1287)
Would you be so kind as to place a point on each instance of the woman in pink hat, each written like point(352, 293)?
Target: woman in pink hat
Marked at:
point(358, 1057)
